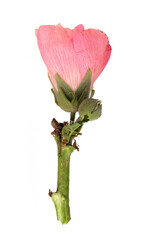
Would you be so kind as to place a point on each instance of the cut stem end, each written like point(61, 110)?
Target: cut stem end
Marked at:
point(62, 207)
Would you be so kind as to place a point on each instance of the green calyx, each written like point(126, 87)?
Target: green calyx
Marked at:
point(66, 98)
point(79, 101)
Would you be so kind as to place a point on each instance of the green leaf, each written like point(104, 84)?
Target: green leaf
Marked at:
point(71, 130)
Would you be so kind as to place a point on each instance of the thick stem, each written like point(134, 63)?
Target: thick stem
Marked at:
point(61, 197)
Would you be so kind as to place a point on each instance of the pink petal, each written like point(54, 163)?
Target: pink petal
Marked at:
point(70, 53)
point(92, 51)
point(36, 31)
point(57, 51)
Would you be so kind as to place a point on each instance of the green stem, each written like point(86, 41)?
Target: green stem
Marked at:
point(61, 197)
point(72, 117)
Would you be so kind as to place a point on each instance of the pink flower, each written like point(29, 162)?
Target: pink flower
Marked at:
point(70, 53)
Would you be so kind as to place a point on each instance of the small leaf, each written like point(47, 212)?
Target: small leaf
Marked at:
point(71, 130)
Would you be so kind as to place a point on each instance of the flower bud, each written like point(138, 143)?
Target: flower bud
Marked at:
point(91, 108)
point(71, 52)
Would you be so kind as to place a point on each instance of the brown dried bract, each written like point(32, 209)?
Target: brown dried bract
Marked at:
point(50, 193)
point(78, 134)
point(57, 127)
point(75, 145)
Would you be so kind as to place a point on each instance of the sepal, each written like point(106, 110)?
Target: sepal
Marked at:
point(52, 90)
point(65, 87)
point(92, 93)
point(64, 103)
point(83, 90)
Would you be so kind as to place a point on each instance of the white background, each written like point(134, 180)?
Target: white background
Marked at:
point(108, 187)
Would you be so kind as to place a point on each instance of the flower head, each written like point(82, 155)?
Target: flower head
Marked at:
point(70, 53)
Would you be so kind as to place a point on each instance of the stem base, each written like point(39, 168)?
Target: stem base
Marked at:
point(62, 207)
